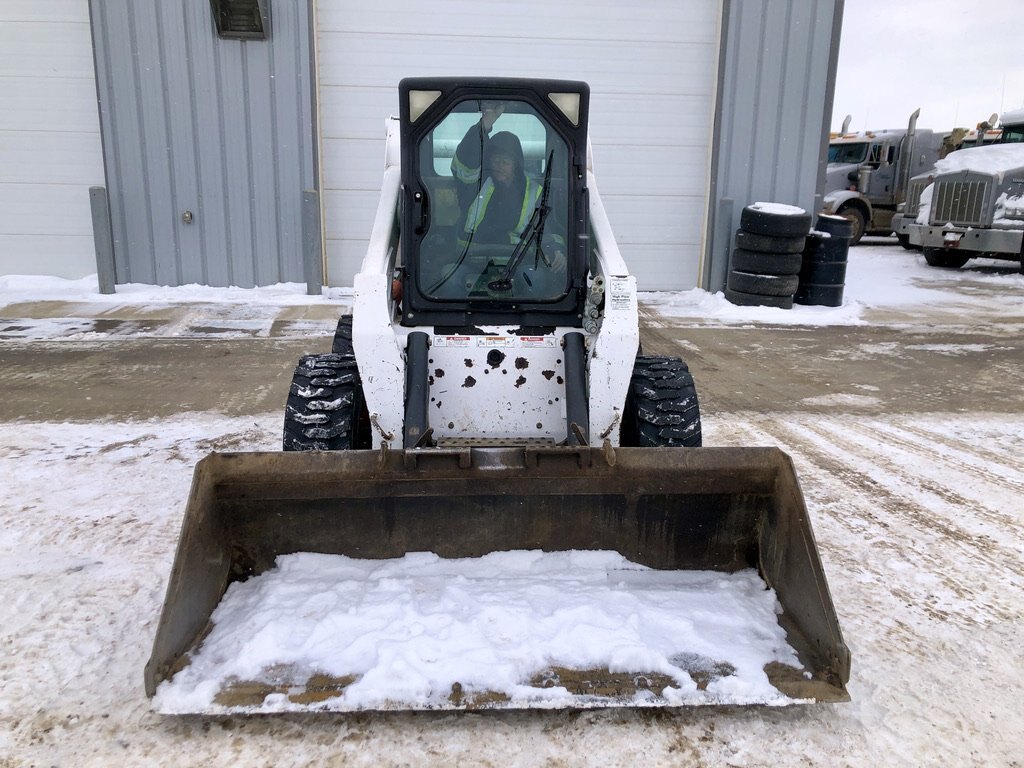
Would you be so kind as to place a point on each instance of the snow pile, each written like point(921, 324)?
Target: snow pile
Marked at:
point(778, 209)
point(1012, 117)
point(1009, 211)
point(410, 629)
point(997, 159)
point(20, 288)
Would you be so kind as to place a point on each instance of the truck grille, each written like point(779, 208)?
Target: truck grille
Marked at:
point(963, 203)
point(914, 190)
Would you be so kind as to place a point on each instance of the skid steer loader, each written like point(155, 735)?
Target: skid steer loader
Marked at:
point(486, 395)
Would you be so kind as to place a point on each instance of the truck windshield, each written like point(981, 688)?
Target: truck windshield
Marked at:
point(847, 152)
point(495, 176)
point(1013, 134)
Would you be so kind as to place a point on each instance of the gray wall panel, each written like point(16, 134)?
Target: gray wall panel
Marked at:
point(220, 128)
point(774, 99)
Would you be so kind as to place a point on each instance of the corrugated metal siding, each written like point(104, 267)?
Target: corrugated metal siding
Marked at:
point(50, 152)
point(775, 101)
point(651, 69)
point(221, 128)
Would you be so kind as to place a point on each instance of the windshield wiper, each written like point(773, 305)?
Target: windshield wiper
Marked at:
point(533, 233)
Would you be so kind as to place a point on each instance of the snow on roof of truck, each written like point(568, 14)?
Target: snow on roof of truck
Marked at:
point(1013, 117)
point(994, 158)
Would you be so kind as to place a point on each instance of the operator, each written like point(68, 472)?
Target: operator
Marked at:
point(497, 195)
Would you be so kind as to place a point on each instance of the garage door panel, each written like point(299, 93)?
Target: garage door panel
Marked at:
point(40, 103)
point(658, 220)
point(46, 209)
point(67, 53)
point(661, 267)
point(344, 257)
point(661, 20)
point(670, 120)
point(641, 170)
point(382, 61)
point(68, 256)
point(52, 157)
point(354, 163)
point(352, 213)
point(651, 70)
point(357, 113)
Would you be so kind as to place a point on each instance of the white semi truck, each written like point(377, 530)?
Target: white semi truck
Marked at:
point(972, 203)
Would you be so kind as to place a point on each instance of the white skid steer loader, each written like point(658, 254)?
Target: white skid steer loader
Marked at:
point(486, 395)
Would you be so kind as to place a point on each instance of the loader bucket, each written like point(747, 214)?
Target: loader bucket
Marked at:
point(724, 510)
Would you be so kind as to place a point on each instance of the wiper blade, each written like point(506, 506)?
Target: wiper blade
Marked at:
point(533, 233)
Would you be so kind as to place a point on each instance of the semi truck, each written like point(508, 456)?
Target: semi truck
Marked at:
point(972, 203)
point(868, 172)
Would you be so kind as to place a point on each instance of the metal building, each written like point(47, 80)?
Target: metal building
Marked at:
point(240, 142)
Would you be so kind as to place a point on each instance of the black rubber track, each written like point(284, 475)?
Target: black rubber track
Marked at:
point(325, 409)
point(757, 300)
point(761, 222)
point(661, 406)
point(768, 244)
point(762, 263)
point(342, 344)
point(765, 285)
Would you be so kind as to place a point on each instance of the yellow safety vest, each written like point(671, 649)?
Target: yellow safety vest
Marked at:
point(478, 210)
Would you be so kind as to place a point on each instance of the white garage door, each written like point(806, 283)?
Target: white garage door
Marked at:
point(651, 70)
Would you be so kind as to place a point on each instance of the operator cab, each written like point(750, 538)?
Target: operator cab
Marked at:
point(493, 215)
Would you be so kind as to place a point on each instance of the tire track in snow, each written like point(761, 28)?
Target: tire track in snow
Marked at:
point(884, 520)
point(936, 469)
point(983, 459)
point(890, 480)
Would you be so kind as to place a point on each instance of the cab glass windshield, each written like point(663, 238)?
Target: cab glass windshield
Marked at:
point(848, 153)
point(1014, 135)
point(495, 178)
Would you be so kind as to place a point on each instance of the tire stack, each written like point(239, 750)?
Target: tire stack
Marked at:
point(765, 265)
point(823, 272)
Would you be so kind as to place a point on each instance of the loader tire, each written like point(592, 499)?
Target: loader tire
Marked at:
point(764, 263)
point(769, 243)
point(758, 221)
point(764, 285)
point(342, 344)
point(661, 407)
point(325, 409)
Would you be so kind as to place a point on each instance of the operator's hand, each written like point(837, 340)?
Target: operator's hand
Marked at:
point(491, 112)
point(558, 261)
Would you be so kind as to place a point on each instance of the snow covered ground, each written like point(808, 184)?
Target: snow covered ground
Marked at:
point(919, 520)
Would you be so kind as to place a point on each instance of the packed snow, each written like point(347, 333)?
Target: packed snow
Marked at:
point(918, 518)
point(779, 209)
point(410, 629)
point(997, 159)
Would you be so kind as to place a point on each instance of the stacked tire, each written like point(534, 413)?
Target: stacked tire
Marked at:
point(765, 265)
point(823, 272)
